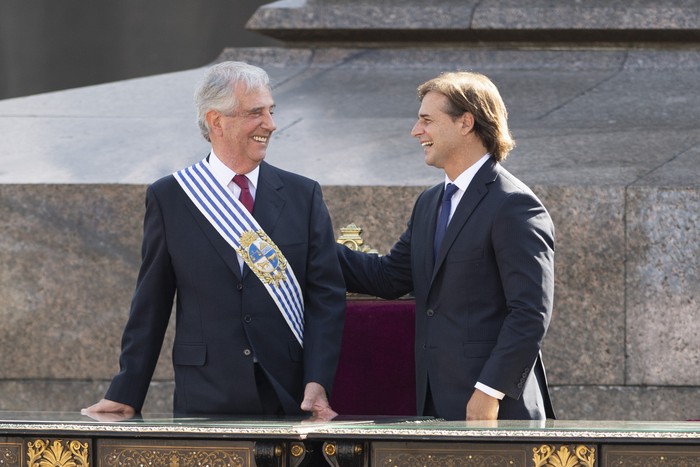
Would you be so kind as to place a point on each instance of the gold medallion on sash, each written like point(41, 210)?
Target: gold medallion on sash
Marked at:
point(263, 257)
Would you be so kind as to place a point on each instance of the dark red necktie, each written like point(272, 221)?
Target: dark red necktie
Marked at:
point(245, 198)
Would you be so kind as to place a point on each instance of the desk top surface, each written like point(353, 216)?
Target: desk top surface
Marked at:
point(396, 428)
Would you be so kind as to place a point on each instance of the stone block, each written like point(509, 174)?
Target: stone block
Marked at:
point(73, 395)
point(70, 256)
point(592, 15)
point(637, 403)
point(584, 344)
point(663, 284)
point(493, 20)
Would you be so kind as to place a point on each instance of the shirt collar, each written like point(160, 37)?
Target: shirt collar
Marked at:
point(224, 175)
point(465, 178)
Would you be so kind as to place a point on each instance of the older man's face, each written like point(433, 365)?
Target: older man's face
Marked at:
point(246, 133)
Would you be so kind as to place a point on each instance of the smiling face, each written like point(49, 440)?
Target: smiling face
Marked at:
point(240, 138)
point(440, 134)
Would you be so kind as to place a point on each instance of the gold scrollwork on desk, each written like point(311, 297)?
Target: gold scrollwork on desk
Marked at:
point(548, 456)
point(10, 454)
point(184, 455)
point(646, 460)
point(351, 237)
point(173, 458)
point(424, 454)
point(451, 459)
point(651, 455)
point(57, 453)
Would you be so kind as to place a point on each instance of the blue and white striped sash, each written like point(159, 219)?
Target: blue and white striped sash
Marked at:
point(235, 224)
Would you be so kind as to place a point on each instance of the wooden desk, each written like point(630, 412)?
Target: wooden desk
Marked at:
point(71, 440)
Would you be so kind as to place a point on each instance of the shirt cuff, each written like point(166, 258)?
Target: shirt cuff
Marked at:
point(490, 391)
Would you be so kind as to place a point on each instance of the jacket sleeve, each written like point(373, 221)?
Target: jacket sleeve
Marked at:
point(324, 299)
point(523, 241)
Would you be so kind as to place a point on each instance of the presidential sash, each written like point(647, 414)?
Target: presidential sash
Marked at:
point(240, 230)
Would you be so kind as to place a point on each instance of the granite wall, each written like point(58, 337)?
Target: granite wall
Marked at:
point(626, 287)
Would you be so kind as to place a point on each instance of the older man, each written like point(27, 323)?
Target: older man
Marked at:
point(248, 250)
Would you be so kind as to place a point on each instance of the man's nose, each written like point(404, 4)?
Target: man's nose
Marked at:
point(416, 130)
point(269, 123)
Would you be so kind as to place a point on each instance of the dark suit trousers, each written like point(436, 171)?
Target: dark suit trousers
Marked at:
point(271, 404)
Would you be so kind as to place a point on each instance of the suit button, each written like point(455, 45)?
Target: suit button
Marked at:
point(247, 318)
point(425, 347)
point(239, 286)
point(430, 312)
point(247, 352)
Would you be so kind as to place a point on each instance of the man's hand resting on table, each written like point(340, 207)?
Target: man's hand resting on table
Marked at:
point(109, 411)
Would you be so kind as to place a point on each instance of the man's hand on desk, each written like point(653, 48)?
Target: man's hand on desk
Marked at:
point(316, 402)
point(109, 411)
point(481, 406)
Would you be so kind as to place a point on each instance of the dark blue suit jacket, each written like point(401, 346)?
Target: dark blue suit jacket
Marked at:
point(484, 304)
point(226, 320)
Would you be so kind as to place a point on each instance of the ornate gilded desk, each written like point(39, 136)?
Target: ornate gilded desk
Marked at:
point(72, 440)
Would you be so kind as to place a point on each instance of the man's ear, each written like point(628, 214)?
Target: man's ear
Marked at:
point(213, 119)
point(466, 122)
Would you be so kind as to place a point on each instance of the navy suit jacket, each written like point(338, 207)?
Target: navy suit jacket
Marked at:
point(225, 319)
point(484, 304)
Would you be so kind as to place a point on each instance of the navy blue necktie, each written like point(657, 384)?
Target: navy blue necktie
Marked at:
point(444, 218)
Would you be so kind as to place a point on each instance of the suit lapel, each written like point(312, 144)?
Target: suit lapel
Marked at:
point(220, 245)
point(269, 201)
point(477, 189)
point(424, 232)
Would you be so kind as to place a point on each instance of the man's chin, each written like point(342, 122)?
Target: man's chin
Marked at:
point(257, 157)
